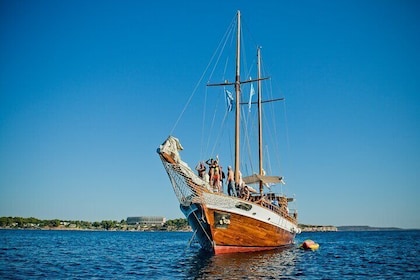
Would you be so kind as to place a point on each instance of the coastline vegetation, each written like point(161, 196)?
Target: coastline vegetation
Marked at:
point(57, 224)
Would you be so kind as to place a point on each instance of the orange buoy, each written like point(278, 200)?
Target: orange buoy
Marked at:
point(309, 245)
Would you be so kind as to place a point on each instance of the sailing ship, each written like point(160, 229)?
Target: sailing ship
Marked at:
point(221, 223)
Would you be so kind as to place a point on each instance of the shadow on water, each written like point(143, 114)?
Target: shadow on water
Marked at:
point(272, 264)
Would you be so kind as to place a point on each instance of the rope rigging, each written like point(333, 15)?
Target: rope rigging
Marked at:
point(216, 128)
point(202, 75)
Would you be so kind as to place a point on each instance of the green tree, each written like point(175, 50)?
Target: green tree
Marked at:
point(54, 223)
point(20, 221)
point(6, 221)
point(108, 224)
point(177, 223)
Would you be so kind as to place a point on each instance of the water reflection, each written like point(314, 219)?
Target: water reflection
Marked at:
point(272, 264)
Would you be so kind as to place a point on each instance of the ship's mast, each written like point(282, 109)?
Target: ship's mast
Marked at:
point(237, 85)
point(237, 91)
point(260, 142)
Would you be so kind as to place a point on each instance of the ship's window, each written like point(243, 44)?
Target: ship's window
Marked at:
point(243, 206)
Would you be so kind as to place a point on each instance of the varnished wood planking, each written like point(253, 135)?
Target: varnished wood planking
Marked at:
point(248, 232)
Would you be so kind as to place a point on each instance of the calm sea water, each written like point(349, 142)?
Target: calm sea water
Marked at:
point(29, 254)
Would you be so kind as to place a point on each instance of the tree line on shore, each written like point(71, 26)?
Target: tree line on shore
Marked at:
point(34, 223)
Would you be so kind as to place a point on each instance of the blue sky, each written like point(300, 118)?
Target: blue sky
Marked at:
point(89, 89)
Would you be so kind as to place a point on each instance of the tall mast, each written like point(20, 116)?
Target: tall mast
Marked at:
point(237, 91)
point(237, 85)
point(260, 142)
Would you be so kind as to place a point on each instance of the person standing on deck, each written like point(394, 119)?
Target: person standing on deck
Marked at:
point(210, 163)
point(231, 182)
point(222, 178)
point(201, 169)
point(216, 176)
point(240, 186)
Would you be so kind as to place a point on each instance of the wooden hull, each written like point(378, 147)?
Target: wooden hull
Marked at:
point(238, 249)
point(244, 234)
point(228, 232)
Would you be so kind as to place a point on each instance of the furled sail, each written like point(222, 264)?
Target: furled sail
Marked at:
point(253, 179)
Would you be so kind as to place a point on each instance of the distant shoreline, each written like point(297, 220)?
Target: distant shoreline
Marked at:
point(93, 230)
point(105, 225)
point(354, 229)
point(369, 228)
point(176, 225)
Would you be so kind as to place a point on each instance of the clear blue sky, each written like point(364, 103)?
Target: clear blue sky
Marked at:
point(89, 89)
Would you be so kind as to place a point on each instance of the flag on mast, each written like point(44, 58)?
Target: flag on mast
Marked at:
point(229, 99)
point(251, 93)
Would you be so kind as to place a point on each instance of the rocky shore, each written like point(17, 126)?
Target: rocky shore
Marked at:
point(315, 228)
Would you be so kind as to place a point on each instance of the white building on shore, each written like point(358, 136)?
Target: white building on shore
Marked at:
point(146, 221)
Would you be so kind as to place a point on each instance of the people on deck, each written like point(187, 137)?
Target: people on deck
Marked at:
point(215, 174)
